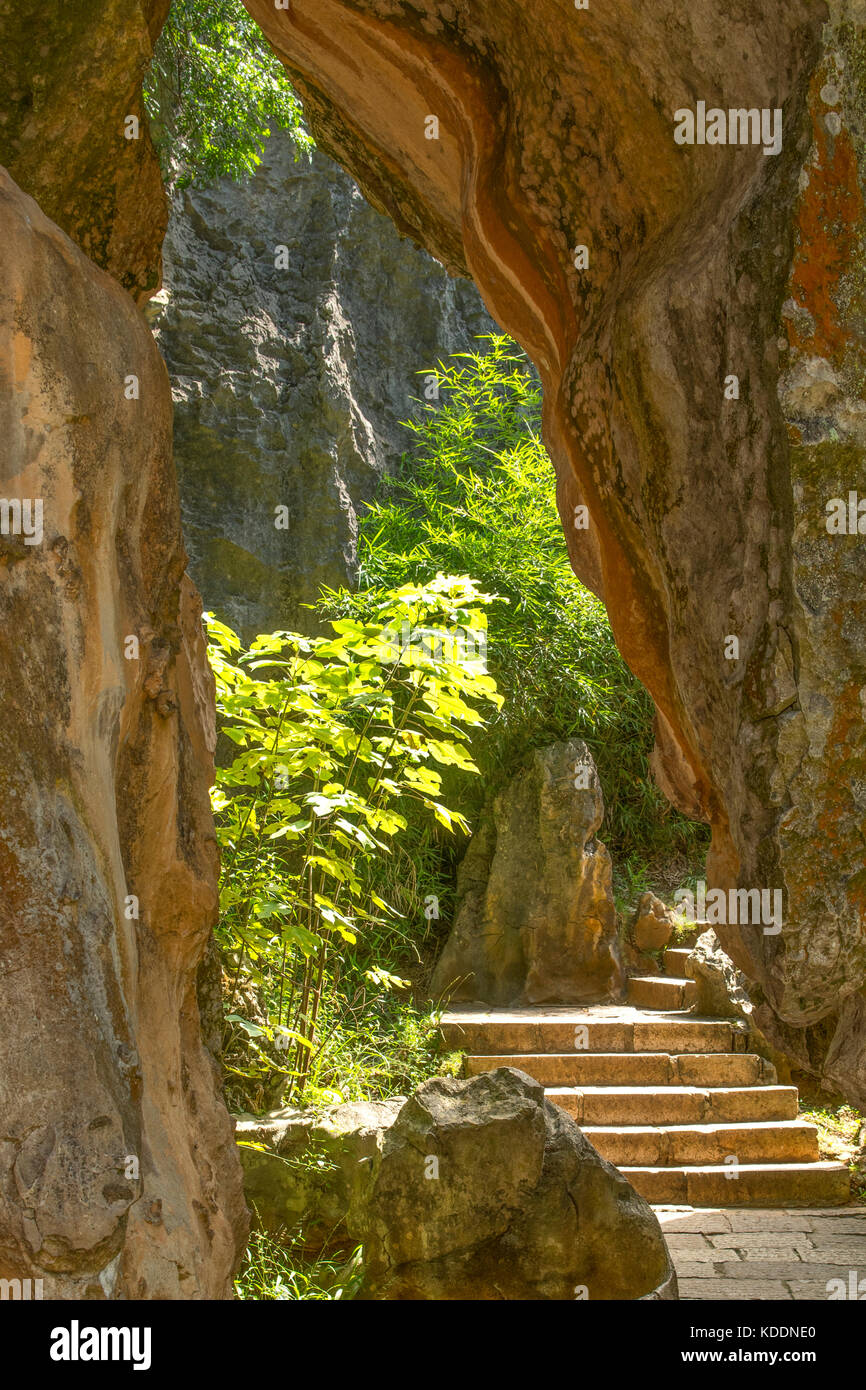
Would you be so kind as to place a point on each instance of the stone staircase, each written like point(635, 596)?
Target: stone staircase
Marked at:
point(671, 1099)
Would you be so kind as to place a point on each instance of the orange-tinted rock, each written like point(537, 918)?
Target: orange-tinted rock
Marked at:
point(555, 132)
point(118, 1171)
point(653, 924)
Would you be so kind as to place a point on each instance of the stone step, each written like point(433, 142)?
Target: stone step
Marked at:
point(822, 1184)
point(606, 1029)
point(661, 992)
point(672, 1099)
point(758, 1142)
point(633, 1068)
point(674, 1105)
point(676, 960)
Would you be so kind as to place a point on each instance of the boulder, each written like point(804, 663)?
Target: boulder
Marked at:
point(637, 962)
point(477, 1189)
point(535, 920)
point(724, 992)
point(722, 988)
point(482, 1190)
point(653, 924)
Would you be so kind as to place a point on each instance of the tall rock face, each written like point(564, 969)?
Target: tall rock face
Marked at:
point(694, 304)
point(295, 322)
point(118, 1172)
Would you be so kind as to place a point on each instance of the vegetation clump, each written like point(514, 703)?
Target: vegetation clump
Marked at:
point(338, 739)
point(476, 495)
point(215, 91)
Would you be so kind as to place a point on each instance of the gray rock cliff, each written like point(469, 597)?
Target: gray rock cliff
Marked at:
point(290, 383)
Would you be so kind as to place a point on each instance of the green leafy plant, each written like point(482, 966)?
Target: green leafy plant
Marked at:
point(630, 881)
point(214, 92)
point(335, 737)
point(841, 1132)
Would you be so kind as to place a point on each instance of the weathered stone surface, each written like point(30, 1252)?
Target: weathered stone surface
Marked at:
point(653, 923)
point(520, 1206)
point(314, 1168)
point(118, 1172)
point(66, 88)
point(724, 992)
point(722, 988)
point(535, 920)
point(290, 384)
point(636, 962)
point(705, 262)
point(482, 1190)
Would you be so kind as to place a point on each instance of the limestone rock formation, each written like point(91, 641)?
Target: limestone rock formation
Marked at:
point(653, 923)
point(708, 501)
point(482, 1190)
point(69, 81)
point(118, 1171)
point(722, 988)
point(290, 382)
point(535, 920)
point(694, 310)
point(724, 992)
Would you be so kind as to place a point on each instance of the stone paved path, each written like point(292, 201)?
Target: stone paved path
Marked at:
point(739, 1253)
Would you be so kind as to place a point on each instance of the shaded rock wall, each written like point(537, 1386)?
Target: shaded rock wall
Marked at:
point(819, 789)
point(66, 89)
point(290, 383)
point(118, 1171)
point(705, 261)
